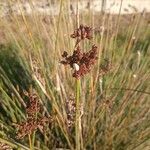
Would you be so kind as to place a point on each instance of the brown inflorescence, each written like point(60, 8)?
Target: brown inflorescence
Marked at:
point(30, 125)
point(34, 121)
point(83, 32)
point(105, 68)
point(4, 146)
point(80, 61)
point(71, 110)
point(84, 60)
point(34, 105)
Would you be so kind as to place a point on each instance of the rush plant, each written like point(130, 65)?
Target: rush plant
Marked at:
point(76, 81)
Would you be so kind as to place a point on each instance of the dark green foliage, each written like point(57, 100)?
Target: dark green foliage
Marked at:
point(13, 66)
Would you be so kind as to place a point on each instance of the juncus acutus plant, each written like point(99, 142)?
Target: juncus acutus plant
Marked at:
point(81, 63)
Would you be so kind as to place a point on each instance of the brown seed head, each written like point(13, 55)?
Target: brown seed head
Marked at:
point(82, 33)
point(84, 60)
point(34, 121)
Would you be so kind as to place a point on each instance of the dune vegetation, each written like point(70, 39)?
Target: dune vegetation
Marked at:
point(75, 81)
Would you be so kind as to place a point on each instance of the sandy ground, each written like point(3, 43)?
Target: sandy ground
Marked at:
point(43, 6)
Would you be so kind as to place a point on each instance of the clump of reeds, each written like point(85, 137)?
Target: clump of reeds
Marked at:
point(110, 110)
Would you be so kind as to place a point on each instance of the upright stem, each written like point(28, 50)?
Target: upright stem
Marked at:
point(77, 14)
point(30, 141)
point(77, 121)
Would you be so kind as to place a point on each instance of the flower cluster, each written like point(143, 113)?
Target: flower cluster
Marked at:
point(105, 68)
point(71, 110)
point(4, 146)
point(33, 121)
point(34, 106)
point(81, 62)
point(82, 32)
point(31, 125)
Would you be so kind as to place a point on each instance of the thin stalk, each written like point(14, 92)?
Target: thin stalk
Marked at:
point(13, 144)
point(33, 136)
point(77, 121)
point(77, 14)
point(30, 142)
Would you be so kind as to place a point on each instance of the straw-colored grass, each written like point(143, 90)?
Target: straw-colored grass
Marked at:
point(115, 107)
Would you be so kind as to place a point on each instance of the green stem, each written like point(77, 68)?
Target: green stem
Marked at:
point(34, 132)
point(77, 124)
point(30, 141)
